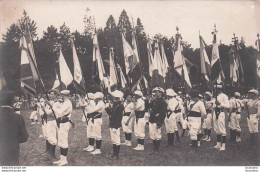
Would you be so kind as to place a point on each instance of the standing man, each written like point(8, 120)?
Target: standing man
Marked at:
point(157, 117)
point(115, 118)
point(139, 126)
point(64, 115)
point(222, 104)
point(234, 117)
point(170, 120)
point(127, 120)
point(12, 131)
point(197, 112)
point(96, 117)
point(207, 123)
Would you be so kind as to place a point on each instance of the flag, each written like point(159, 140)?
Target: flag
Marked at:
point(2, 80)
point(165, 64)
point(233, 66)
point(217, 74)
point(26, 70)
point(180, 66)
point(78, 77)
point(56, 84)
point(157, 76)
point(128, 56)
point(113, 80)
point(257, 43)
point(99, 74)
point(65, 74)
point(204, 62)
point(122, 77)
point(150, 57)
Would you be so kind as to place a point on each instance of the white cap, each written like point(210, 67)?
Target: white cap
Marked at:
point(219, 86)
point(253, 91)
point(117, 93)
point(91, 96)
point(208, 93)
point(65, 92)
point(237, 94)
point(200, 96)
point(41, 99)
point(170, 92)
point(138, 93)
point(99, 95)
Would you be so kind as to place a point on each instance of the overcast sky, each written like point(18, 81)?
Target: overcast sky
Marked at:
point(238, 17)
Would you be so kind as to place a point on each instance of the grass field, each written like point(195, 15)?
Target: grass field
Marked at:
point(236, 154)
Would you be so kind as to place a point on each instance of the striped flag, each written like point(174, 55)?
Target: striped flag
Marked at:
point(165, 64)
point(217, 74)
point(65, 74)
point(56, 84)
point(257, 43)
point(113, 79)
point(204, 62)
point(233, 66)
point(27, 68)
point(180, 66)
point(78, 77)
point(99, 74)
point(122, 77)
point(157, 76)
point(150, 57)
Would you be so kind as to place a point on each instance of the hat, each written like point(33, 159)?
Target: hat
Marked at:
point(253, 91)
point(138, 93)
point(158, 89)
point(91, 96)
point(179, 92)
point(127, 94)
point(194, 93)
point(200, 96)
point(117, 93)
point(208, 93)
point(41, 99)
point(65, 92)
point(53, 90)
point(237, 94)
point(219, 86)
point(170, 92)
point(99, 95)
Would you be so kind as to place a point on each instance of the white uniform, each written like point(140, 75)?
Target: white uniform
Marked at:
point(210, 105)
point(90, 124)
point(180, 109)
point(44, 122)
point(219, 115)
point(197, 110)
point(253, 118)
point(97, 120)
point(170, 120)
point(235, 116)
point(140, 122)
point(128, 109)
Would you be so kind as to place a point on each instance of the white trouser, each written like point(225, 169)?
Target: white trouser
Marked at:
point(207, 124)
point(185, 124)
point(115, 136)
point(52, 130)
point(139, 128)
point(234, 122)
point(253, 123)
point(97, 128)
point(127, 128)
point(90, 129)
point(63, 134)
point(154, 132)
point(195, 127)
point(179, 117)
point(171, 123)
point(44, 130)
point(146, 116)
point(33, 115)
point(219, 124)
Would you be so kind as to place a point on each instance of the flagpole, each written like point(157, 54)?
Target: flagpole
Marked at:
point(42, 84)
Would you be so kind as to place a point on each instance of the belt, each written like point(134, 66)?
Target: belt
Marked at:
point(238, 112)
point(177, 111)
point(139, 114)
point(194, 114)
point(127, 114)
point(63, 120)
point(169, 113)
point(218, 111)
point(208, 110)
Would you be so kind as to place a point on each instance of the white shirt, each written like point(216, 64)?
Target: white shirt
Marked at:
point(234, 103)
point(198, 107)
point(172, 104)
point(65, 108)
point(223, 100)
point(99, 107)
point(128, 107)
point(140, 105)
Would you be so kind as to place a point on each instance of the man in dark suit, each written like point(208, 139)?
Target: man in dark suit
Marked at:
point(12, 130)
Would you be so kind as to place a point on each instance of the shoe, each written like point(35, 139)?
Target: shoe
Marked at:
point(41, 136)
point(208, 140)
point(141, 148)
point(223, 147)
point(205, 139)
point(199, 143)
point(137, 147)
point(38, 122)
point(218, 146)
point(124, 143)
point(87, 148)
point(57, 162)
point(33, 123)
point(96, 152)
point(63, 161)
point(238, 139)
point(129, 143)
point(91, 149)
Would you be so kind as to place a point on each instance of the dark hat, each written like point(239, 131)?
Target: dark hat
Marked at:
point(194, 93)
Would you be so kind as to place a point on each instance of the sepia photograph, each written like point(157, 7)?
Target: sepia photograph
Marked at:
point(129, 83)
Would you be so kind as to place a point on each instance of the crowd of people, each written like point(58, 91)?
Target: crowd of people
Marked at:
point(195, 114)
